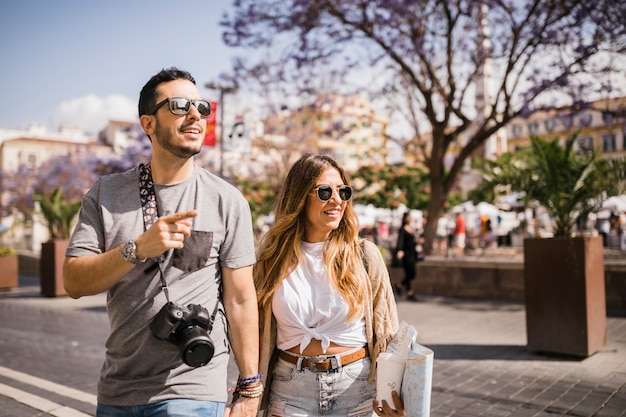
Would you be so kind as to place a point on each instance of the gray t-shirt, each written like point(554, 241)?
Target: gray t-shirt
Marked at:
point(139, 368)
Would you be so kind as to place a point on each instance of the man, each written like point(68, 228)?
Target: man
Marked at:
point(194, 249)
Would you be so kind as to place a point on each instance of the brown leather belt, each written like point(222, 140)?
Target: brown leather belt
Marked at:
point(326, 362)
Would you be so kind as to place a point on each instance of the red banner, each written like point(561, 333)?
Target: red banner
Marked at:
point(210, 137)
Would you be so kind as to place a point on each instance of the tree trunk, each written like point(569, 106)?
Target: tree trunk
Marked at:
point(438, 196)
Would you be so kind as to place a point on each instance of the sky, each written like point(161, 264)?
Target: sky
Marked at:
point(81, 63)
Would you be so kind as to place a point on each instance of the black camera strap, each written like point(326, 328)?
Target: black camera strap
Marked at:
point(150, 211)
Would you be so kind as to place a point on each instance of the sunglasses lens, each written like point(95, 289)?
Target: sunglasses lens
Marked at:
point(345, 192)
point(324, 192)
point(204, 108)
point(179, 105)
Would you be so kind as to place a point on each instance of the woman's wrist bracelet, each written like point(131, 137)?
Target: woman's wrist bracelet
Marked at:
point(244, 382)
point(250, 391)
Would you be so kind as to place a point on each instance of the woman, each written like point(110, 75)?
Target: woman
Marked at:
point(406, 251)
point(325, 300)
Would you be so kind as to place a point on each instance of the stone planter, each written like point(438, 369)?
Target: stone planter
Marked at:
point(8, 272)
point(51, 267)
point(564, 292)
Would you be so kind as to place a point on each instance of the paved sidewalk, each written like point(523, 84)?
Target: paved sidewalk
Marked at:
point(481, 368)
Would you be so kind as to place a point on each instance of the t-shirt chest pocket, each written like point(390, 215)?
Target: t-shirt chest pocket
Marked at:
point(195, 254)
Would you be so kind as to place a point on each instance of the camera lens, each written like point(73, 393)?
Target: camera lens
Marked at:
point(196, 346)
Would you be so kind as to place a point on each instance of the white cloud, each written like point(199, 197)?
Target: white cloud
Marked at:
point(92, 113)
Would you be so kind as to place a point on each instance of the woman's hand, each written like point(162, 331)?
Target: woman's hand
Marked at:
point(386, 410)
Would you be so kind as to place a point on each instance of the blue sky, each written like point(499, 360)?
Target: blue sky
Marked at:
point(81, 62)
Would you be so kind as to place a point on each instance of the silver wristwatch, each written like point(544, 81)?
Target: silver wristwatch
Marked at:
point(129, 253)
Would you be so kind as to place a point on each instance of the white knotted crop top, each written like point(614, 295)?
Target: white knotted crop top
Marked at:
point(307, 307)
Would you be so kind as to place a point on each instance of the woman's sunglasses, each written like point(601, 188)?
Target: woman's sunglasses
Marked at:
point(180, 106)
point(325, 192)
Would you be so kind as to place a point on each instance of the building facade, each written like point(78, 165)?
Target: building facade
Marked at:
point(345, 127)
point(599, 126)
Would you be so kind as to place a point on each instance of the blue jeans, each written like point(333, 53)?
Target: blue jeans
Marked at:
point(168, 408)
point(340, 392)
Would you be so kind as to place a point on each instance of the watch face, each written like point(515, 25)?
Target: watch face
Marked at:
point(128, 252)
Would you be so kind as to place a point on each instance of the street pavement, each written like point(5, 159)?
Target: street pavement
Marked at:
point(51, 350)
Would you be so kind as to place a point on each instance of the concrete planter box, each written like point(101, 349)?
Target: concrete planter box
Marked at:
point(564, 291)
point(500, 278)
point(468, 278)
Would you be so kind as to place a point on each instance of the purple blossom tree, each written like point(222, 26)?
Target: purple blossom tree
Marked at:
point(457, 71)
point(73, 173)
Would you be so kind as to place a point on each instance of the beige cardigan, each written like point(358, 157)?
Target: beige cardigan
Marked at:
point(381, 318)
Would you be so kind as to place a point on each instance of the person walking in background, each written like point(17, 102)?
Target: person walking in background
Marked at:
point(172, 244)
point(406, 251)
point(459, 234)
point(604, 228)
point(318, 287)
point(487, 237)
point(450, 227)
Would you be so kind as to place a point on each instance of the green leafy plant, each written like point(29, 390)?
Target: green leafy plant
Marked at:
point(6, 251)
point(392, 186)
point(566, 183)
point(57, 211)
point(260, 195)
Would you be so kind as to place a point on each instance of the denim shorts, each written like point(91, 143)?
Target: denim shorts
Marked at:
point(339, 392)
point(168, 408)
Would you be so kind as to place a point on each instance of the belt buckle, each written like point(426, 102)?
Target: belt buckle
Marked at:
point(313, 361)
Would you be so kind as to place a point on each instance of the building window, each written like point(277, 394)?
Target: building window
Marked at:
point(567, 121)
point(550, 125)
point(28, 160)
point(533, 128)
point(585, 145)
point(584, 119)
point(608, 142)
point(607, 117)
point(517, 130)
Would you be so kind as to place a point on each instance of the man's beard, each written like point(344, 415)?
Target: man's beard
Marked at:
point(164, 137)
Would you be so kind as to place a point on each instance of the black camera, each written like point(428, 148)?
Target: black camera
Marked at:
point(188, 328)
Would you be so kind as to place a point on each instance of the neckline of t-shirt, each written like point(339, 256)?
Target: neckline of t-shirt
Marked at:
point(191, 178)
point(311, 246)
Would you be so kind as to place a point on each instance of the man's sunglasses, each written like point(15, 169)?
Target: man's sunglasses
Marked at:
point(325, 192)
point(180, 106)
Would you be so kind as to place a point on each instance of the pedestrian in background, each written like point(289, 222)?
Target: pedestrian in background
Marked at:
point(318, 287)
point(406, 251)
point(460, 234)
point(172, 245)
point(450, 227)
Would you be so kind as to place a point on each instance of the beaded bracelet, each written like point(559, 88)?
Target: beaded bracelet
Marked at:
point(250, 391)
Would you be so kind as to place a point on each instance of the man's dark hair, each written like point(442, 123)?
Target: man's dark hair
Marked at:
point(147, 97)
